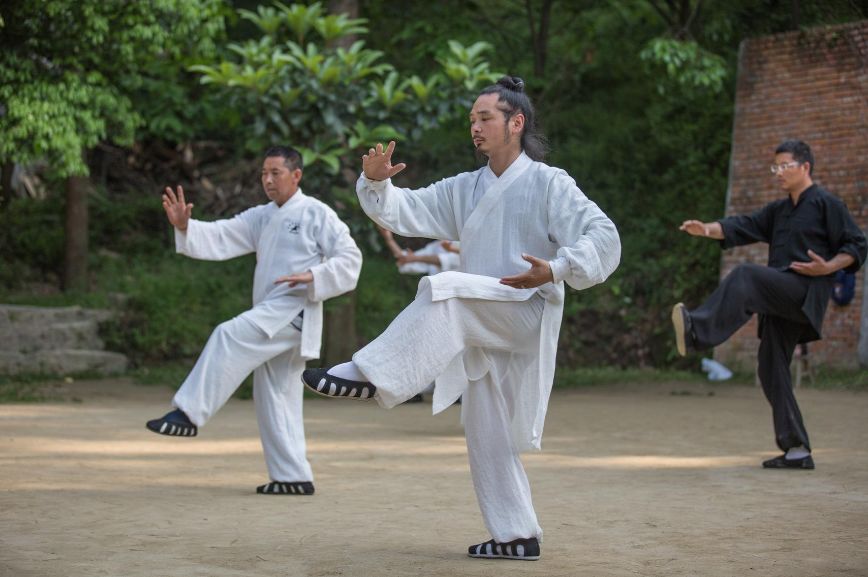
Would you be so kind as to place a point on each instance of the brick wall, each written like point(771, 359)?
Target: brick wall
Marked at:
point(810, 86)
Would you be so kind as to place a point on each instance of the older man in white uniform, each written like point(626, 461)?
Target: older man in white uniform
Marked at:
point(304, 255)
point(490, 331)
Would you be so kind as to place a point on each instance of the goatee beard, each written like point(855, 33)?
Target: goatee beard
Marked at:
point(481, 157)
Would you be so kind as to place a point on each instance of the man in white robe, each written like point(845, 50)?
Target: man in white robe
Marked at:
point(304, 255)
point(488, 332)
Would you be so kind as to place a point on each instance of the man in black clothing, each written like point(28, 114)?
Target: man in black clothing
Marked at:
point(811, 235)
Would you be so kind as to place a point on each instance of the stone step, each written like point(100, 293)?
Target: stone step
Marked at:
point(23, 314)
point(55, 340)
point(28, 338)
point(62, 362)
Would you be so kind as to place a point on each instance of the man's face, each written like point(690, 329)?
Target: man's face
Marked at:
point(790, 175)
point(278, 181)
point(489, 129)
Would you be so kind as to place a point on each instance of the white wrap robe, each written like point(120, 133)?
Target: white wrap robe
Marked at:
point(531, 208)
point(303, 234)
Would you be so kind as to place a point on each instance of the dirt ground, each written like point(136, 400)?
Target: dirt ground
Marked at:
point(632, 480)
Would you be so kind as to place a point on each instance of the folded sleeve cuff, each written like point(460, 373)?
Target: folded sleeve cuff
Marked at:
point(560, 268)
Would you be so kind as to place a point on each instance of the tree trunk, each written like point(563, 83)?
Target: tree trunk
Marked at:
point(76, 232)
point(539, 35)
point(351, 9)
point(6, 184)
point(339, 338)
point(340, 330)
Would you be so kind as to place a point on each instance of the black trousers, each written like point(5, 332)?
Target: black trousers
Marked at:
point(778, 296)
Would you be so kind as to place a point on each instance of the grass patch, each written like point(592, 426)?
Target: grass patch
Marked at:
point(172, 374)
point(827, 378)
point(169, 374)
point(600, 376)
point(37, 387)
point(21, 392)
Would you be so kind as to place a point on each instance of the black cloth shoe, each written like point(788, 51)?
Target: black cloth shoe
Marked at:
point(174, 424)
point(286, 488)
point(520, 549)
point(320, 382)
point(684, 340)
point(781, 462)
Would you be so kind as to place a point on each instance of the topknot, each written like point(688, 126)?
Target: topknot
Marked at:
point(512, 83)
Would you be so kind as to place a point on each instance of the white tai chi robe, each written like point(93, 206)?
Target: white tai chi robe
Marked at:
point(303, 234)
point(493, 343)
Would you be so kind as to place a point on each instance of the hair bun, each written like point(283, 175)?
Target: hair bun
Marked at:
point(512, 83)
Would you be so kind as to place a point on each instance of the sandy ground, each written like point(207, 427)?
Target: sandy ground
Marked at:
point(632, 480)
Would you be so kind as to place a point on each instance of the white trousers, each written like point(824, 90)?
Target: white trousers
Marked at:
point(236, 348)
point(420, 343)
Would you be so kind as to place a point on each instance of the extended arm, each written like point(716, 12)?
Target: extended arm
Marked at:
point(391, 244)
point(425, 212)
point(411, 256)
point(219, 240)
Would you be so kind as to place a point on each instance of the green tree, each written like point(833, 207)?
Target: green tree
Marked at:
point(69, 75)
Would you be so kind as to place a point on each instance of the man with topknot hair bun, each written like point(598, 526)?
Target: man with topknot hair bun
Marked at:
point(488, 332)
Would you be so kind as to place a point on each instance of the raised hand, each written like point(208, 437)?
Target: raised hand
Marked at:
point(539, 273)
point(177, 209)
point(377, 163)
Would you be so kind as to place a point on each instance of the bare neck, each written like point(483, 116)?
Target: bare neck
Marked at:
point(498, 163)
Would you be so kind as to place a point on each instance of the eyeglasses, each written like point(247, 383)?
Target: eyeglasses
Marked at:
point(779, 168)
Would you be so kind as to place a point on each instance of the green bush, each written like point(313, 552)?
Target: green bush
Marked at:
point(172, 303)
point(382, 293)
point(31, 241)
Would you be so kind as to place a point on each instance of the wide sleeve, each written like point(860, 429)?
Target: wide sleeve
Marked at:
point(589, 246)
point(844, 235)
point(426, 212)
point(747, 229)
point(339, 271)
point(219, 240)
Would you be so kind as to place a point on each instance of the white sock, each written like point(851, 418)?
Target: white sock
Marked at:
point(348, 371)
point(799, 452)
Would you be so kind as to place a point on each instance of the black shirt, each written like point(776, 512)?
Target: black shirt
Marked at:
point(819, 222)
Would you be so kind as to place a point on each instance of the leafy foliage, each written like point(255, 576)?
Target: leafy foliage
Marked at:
point(299, 83)
point(68, 67)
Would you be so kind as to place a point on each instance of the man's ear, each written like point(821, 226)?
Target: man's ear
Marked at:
point(517, 122)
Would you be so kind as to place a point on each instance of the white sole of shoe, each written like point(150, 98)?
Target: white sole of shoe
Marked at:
point(509, 557)
point(322, 394)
